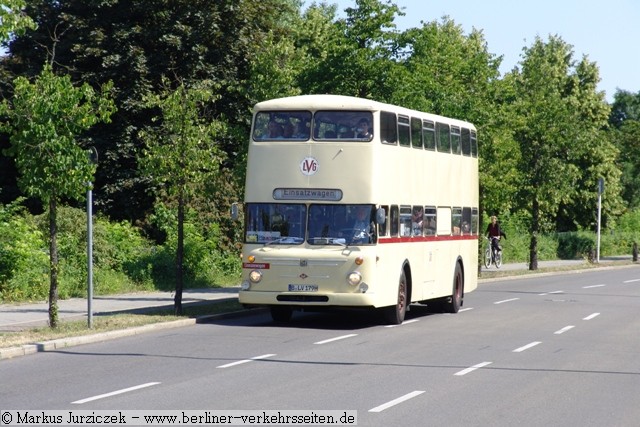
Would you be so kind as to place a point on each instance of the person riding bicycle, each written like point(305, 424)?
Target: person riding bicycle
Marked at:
point(495, 233)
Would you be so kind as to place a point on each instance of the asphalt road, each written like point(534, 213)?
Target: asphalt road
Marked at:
point(540, 351)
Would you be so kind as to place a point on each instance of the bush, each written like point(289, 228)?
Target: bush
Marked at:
point(572, 245)
point(24, 262)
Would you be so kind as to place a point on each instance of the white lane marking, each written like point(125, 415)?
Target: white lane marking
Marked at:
point(113, 393)
point(506, 300)
point(396, 401)
point(551, 293)
point(465, 309)
point(336, 338)
point(526, 347)
point(591, 316)
point(593, 286)
point(472, 368)
point(403, 323)
point(240, 362)
point(631, 281)
point(563, 330)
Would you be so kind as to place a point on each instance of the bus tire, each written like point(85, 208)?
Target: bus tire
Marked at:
point(281, 313)
point(394, 314)
point(454, 302)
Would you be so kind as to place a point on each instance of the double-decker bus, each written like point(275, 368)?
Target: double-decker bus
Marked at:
point(351, 202)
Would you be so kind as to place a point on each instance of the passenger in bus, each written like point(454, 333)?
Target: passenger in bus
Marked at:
point(347, 133)
point(302, 131)
point(363, 129)
point(287, 130)
point(416, 221)
point(275, 130)
point(430, 229)
point(362, 225)
point(330, 134)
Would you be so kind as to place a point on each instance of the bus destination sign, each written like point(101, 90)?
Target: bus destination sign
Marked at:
point(327, 194)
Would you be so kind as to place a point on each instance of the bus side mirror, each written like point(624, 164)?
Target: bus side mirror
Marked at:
point(381, 216)
point(234, 211)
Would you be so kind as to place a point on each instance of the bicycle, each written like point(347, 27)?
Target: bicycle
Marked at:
point(492, 256)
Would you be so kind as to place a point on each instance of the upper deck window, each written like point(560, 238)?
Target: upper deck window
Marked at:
point(343, 125)
point(278, 125)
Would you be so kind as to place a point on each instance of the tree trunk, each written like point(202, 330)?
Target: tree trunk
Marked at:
point(53, 265)
point(535, 228)
point(179, 257)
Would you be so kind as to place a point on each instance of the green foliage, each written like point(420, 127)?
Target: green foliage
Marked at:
point(629, 222)
point(13, 20)
point(576, 245)
point(206, 264)
point(124, 260)
point(24, 265)
point(44, 119)
point(626, 118)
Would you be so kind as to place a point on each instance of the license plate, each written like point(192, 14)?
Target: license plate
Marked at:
point(303, 288)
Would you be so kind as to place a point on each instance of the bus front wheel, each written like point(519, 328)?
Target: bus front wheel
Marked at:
point(281, 313)
point(394, 314)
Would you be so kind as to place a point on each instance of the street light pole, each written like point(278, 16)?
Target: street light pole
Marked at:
point(600, 191)
point(93, 157)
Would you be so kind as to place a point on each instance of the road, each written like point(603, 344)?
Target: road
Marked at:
point(541, 351)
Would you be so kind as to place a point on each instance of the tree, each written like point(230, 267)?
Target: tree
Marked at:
point(181, 155)
point(134, 43)
point(559, 118)
point(44, 120)
point(625, 120)
point(352, 56)
point(13, 19)
point(448, 72)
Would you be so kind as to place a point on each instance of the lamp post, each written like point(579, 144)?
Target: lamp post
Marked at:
point(93, 157)
point(600, 191)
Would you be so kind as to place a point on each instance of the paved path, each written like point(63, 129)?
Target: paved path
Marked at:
point(14, 317)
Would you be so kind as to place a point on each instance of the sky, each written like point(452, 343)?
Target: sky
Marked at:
point(607, 32)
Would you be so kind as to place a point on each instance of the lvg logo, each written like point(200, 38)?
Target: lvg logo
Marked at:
point(309, 166)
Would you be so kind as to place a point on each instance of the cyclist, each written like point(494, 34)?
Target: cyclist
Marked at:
point(495, 233)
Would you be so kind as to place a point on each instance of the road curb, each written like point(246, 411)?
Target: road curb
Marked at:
point(60, 343)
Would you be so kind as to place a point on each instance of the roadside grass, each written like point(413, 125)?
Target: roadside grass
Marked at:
point(113, 322)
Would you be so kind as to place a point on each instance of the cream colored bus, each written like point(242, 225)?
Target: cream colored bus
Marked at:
point(355, 203)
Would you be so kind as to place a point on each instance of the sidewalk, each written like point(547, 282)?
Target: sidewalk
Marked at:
point(555, 263)
point(15, 317)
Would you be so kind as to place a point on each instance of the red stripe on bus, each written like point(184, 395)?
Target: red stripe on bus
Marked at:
point(409, 239)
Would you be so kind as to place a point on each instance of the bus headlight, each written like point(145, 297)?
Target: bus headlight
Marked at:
point(255, 276)
point(354, 278)
point(245, 285)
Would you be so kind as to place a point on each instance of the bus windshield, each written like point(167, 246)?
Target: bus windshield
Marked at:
point(341, 224)
point(282, 223)
point(276, 223)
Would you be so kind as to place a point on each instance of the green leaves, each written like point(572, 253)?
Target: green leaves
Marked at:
point(181, 152)
point(12, 19)
point(44, 119)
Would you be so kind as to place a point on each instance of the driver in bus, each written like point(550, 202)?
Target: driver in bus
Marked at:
point(361, 226)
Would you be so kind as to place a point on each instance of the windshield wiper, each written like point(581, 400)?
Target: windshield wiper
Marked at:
point(287, 239)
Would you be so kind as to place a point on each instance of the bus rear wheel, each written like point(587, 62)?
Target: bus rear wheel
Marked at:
point(454, 302)
point(281, 313)
point(394, 314)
